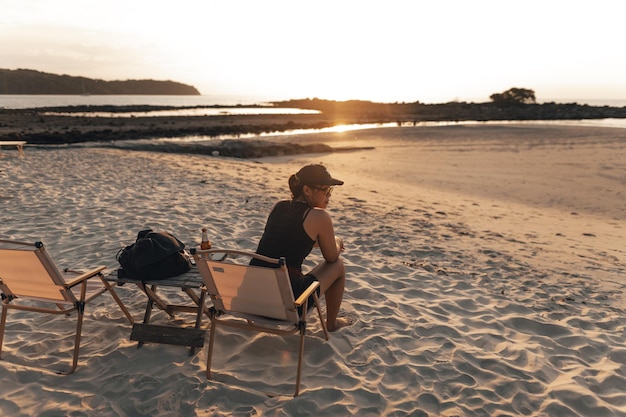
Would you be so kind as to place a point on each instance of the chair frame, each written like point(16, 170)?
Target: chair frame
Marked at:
point(220, 315)
point(66, 301)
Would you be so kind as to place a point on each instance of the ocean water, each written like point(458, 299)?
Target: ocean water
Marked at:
point(32, 101)
point(201, 111)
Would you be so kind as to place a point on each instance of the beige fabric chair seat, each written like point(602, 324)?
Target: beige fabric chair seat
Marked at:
point(254, 298)
point(31, 281)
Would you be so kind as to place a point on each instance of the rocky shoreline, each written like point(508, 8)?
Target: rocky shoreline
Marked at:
point(39, 127)
point(70, 125)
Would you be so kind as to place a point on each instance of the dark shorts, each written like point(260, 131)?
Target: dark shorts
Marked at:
point(299, 284)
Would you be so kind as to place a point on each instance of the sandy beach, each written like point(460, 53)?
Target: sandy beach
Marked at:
point(485, 273)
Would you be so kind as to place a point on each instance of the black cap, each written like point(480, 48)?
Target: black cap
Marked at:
point(316, 175)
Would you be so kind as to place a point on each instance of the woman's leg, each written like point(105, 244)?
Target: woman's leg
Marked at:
point(332, 279)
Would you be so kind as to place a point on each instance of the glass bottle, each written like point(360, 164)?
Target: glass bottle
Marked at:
point(205, 244)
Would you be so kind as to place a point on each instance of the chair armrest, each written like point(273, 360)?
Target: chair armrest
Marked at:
point(84, 276)
point(307, 293)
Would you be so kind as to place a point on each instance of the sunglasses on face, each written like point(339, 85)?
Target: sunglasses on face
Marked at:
point(327, 191)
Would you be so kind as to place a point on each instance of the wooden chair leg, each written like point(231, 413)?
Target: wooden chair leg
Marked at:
point(3, 321)
point(117, 299)
point(80, 312)
point(300, 355)
point(210, 350)
point(79, 328)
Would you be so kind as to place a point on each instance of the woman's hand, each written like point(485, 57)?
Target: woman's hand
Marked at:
point(339, 241)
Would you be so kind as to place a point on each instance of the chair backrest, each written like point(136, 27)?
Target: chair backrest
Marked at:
point(26, 270)
point(241, 288)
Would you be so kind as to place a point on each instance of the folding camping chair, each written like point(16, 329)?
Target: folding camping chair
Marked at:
point(254, 298)
point(30, 281)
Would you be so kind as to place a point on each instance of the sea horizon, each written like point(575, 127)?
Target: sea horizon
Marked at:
point(25, 101)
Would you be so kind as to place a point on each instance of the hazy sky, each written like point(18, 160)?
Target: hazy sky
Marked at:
point(385, 50)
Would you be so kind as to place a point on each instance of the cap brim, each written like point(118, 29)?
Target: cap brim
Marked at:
point(335, 182)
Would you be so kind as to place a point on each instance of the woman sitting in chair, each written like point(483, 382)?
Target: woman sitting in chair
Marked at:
point(295, 226)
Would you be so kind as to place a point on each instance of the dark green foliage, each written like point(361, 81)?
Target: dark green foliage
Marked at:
point(514, 96)
point(23, 81)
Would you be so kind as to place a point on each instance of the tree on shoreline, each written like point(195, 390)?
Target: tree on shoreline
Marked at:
point(514, 96)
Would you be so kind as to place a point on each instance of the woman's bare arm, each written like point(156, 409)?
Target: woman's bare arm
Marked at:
point(319, 226)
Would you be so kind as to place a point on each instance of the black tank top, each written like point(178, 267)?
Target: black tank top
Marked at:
point(284, 235)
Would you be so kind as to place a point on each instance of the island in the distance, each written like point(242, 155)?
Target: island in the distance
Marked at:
point(26, 81)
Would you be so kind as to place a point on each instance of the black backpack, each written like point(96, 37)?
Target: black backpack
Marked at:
point(153, 256)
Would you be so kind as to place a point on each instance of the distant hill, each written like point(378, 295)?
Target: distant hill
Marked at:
point(25, 81)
